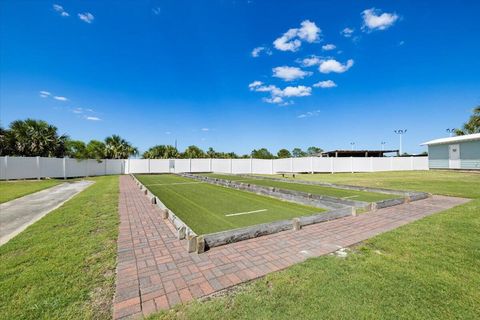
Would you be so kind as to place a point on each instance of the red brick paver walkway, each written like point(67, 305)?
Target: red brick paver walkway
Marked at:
point(155, 271)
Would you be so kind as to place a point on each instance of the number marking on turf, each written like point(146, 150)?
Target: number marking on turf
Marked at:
point(247, 212)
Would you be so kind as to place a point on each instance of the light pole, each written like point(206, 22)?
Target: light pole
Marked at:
point(383, 145)
point(400, 132)
point(352, 145)
point(451, 131)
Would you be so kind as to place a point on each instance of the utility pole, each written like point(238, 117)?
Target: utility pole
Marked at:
point(400, 132)
point(383, 143)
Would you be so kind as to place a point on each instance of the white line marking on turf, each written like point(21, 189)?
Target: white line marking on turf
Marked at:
point(350, 197)
point(170, 184)
point(247, 212)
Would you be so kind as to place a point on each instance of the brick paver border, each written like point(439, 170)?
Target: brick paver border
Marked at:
point(154, 271)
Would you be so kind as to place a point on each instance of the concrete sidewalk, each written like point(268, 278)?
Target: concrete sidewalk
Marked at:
point(155, 272)
point(18, 214)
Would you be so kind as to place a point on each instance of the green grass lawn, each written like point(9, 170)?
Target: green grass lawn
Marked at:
point(63, 266)
point(321, 190)
point(206, 208)
point(10, 190)
point(449, 183)
point(428, 269)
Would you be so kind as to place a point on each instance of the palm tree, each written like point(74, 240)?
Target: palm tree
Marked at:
point(211, 153)
point(118, 148)
point(473, 124)
point(4, 146)
point(170, 152)
point(155, 152)
point(193, 152)
point(96, 150)
point(161, 152)
point(284, 153)
point(31, 138)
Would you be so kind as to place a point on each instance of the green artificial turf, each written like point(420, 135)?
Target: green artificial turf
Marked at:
point(204, 207)
point(10, 190)
point(428, 269)
point(321, 190)
point(63, 266)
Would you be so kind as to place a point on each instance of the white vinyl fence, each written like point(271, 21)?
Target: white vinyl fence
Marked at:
point(39, 167)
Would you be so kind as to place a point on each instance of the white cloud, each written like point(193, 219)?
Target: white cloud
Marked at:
point(292, 39)
point(58, 8)
point(86, 17)
point(91, 118)
point(298, 91)
point(309, 114)
point(290, 73)
point(401, 43)
point(328, 47)
point(309, 31)
point(325, 84)
point(332, 65)
point(77, 110)
point(275, 99)
point(45, 94)
point(258, 50)
point(287, 42)
point(168, 133)
point(205, 129)
point(255, 84)
point(59, 98)
point(156, 11)
point(311, 61)
point(277, 95)
point(374, 19)
point(347, 32)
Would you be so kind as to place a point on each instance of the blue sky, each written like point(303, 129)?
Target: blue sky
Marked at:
point(156, 71)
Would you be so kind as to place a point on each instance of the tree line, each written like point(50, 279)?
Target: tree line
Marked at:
point(31, 138)
point(170, 152)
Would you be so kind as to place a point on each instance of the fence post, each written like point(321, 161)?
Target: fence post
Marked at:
point(291, 165)
point(251, 165)
point(105, 172)
point(231, 166)
point(64, 168)
point(332, 165)
point(271, 166)
point(371, 164)
point(351, 164)
point(148, 163)
point(87, 173)
point(211, 168)
point(39, 174)
point(190, 165)
point(311, 164)
point(6, 168)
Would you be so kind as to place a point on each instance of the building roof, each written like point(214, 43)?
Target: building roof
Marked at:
point(467, 137)
point(357, 153)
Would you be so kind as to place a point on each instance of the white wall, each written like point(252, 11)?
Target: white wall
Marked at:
point(37, 167)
